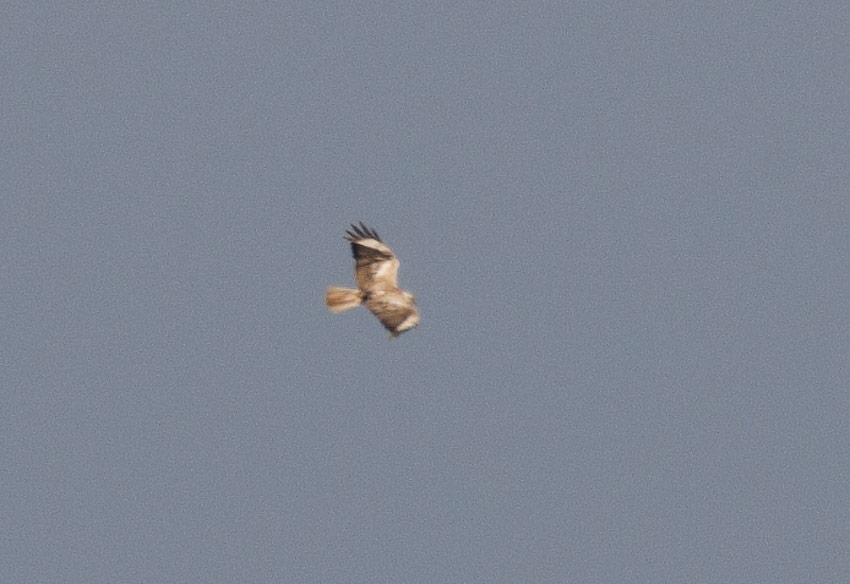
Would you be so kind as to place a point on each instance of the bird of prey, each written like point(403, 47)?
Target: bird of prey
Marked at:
point(376, 274)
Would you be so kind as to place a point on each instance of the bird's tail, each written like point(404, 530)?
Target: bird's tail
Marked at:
point(339, 299)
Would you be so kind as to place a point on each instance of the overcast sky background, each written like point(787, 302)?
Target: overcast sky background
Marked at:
point(626, 224)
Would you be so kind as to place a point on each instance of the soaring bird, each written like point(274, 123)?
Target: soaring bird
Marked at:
point(376, 274)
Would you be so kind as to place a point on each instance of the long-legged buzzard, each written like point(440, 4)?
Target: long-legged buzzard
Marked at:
point(376, 273)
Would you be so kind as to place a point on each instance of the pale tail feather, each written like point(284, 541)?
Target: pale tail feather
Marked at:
point(339, 299)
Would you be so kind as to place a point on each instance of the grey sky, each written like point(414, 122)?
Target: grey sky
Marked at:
point(627, 227)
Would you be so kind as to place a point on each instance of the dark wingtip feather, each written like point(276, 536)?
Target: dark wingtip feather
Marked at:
point(370, 232)
point(361, 232)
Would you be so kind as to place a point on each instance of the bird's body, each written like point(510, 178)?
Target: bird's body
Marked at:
point(376, 274)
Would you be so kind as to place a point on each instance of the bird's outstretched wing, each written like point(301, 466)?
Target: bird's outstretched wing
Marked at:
point(375, 264)
point(396, 310)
